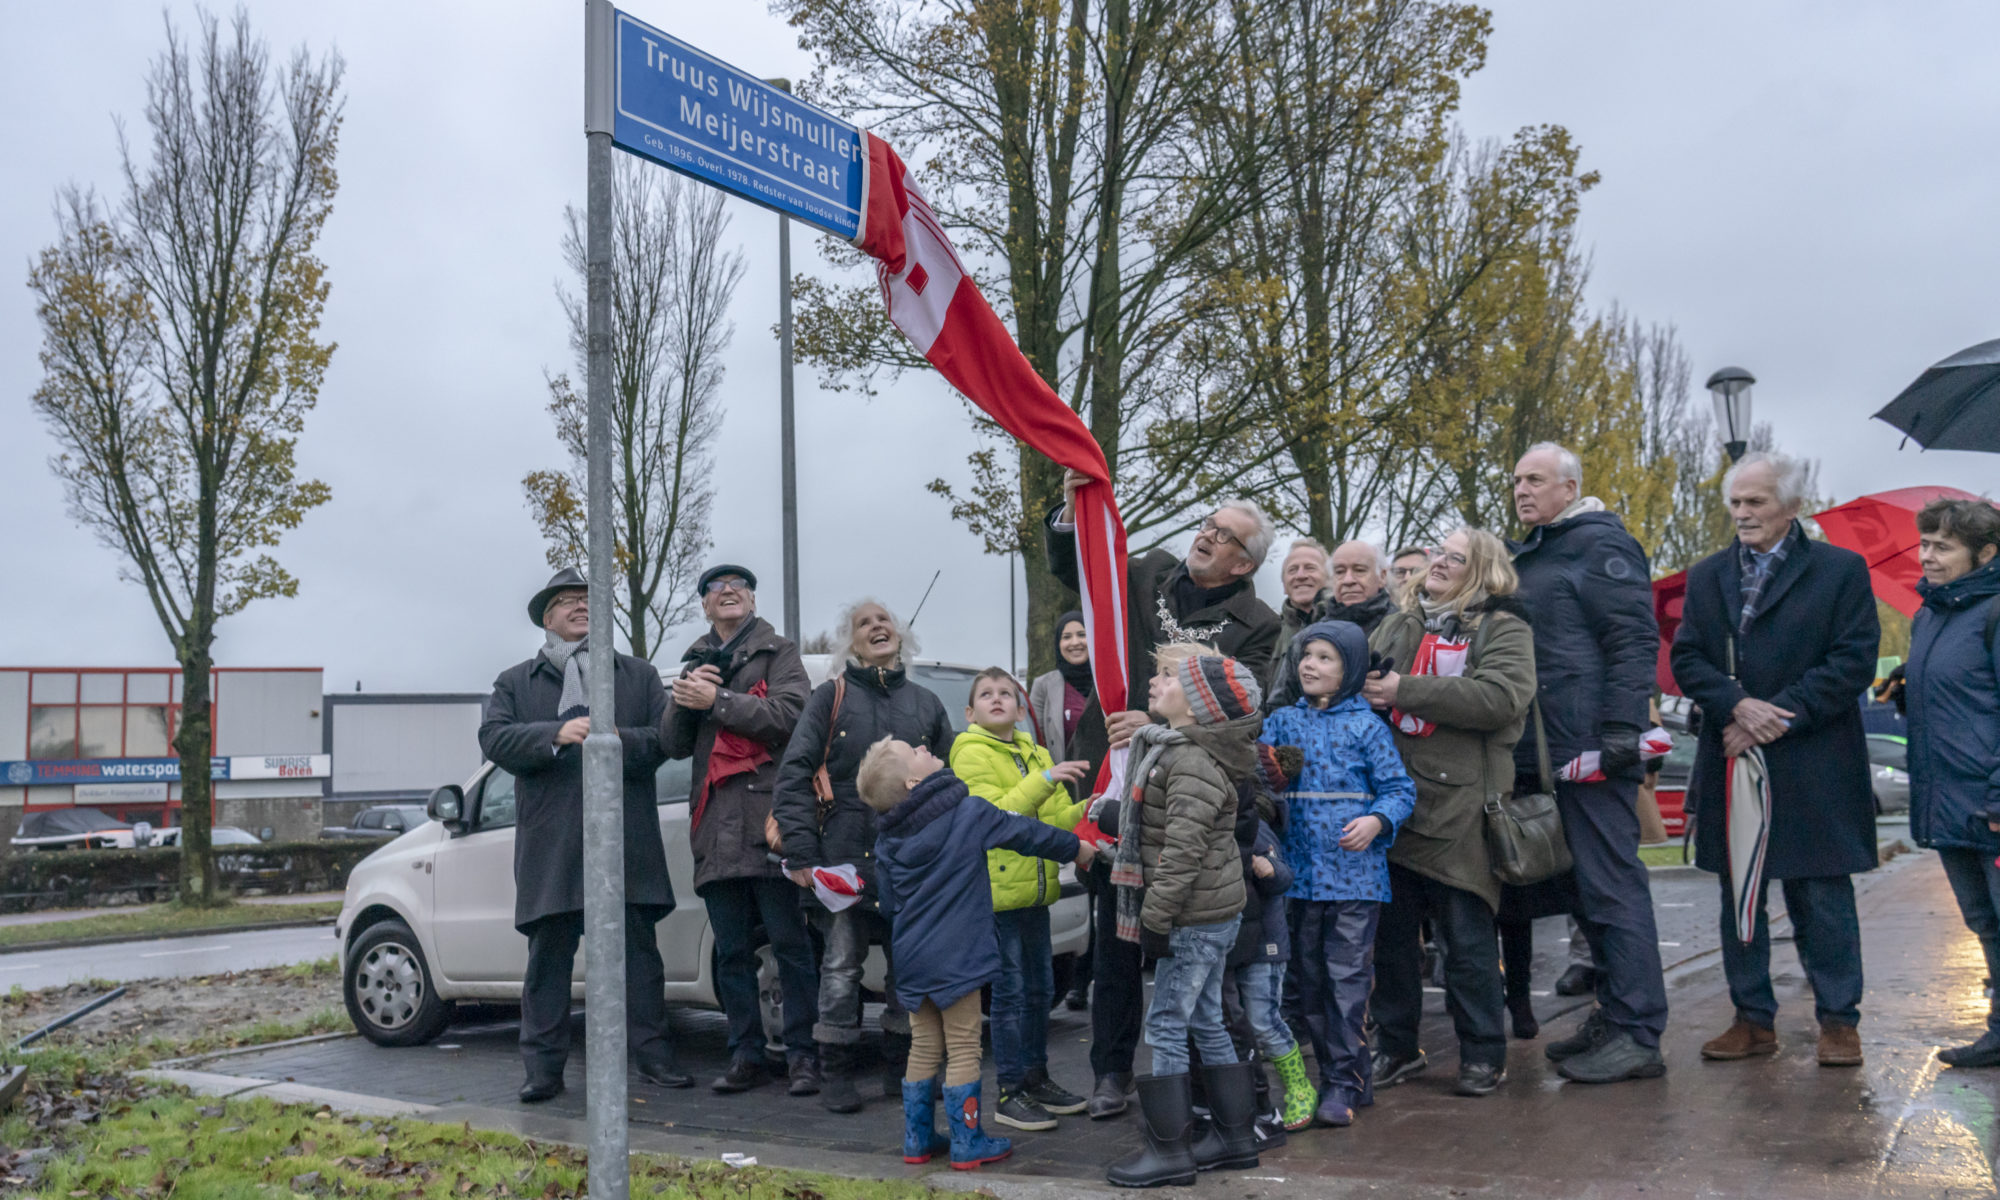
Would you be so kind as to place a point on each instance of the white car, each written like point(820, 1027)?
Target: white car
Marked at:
point(428, 919)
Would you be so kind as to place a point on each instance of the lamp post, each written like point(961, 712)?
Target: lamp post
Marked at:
point(1731, 388)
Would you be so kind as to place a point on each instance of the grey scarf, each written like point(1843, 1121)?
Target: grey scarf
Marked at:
point(570, 658)
point(1127, 868)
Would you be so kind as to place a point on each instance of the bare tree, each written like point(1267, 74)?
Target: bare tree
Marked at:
point(671, 283)
point(179, 354)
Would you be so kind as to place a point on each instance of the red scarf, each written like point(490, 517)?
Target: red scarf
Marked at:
point(1436, 656)
point(731, 755)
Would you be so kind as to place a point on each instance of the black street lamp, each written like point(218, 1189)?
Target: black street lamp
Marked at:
point(1731, 388)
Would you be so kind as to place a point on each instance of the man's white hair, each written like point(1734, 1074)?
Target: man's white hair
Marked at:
point(1381, 555)
point(843, 634)
point(1258, 545)
point(1568, 465)
point(1312, 544)
point(1789, 476)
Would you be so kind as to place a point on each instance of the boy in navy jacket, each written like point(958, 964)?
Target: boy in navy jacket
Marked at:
point(932, 836)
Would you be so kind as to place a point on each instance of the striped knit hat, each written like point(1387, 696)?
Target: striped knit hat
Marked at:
point(1218, 689)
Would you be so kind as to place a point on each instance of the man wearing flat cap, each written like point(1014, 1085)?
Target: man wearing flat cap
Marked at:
point(731, 709)
point(534, 728)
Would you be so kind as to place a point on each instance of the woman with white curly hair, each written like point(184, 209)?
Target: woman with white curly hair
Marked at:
point(823, 822)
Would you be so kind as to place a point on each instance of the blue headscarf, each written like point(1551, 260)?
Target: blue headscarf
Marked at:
point(1351, 644)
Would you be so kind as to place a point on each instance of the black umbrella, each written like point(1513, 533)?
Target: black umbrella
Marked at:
point(1954, 405)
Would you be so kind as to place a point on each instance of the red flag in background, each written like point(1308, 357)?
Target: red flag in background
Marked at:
point(938, 307)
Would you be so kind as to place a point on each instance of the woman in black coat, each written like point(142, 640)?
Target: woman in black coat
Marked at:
point(874, 700)
point(1777, 642)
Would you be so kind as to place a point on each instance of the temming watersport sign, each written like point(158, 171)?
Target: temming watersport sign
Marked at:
point(686, 110)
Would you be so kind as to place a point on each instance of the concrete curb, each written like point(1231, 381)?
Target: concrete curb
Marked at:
point(119, 939)
point(204, 1083)
point(258, 1048)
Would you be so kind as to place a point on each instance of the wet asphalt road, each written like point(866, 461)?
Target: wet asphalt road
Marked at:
point(166, 958)
point(1784, 1127)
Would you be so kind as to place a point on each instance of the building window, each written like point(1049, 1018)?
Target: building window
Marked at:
point(101, 731)
point(52, 730)
point(146, 733)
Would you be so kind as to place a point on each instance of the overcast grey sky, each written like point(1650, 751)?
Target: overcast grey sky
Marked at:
point(1800, 187)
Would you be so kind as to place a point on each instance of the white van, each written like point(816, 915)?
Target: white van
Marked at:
point(428, 920)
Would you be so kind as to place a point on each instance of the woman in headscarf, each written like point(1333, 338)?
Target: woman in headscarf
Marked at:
point(1460, 679)
point(1063, 707)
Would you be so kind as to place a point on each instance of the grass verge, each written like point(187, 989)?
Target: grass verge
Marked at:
point(164, 918)
point(142, 1141)
point(1662, 856)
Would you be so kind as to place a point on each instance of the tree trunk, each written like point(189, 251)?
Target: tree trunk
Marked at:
point(194, 742)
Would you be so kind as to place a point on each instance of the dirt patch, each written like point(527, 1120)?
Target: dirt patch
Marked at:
point(209, 1011)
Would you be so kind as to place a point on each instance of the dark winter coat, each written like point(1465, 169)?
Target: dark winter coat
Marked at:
point(728, 842)
point(931, 866)
point(1597, 646)
point(1265, 935)
point(1952, 692)
point(1237, 624)
point(879, 703)
point(1479, 716)
point(1811, 649)
point(518, 735)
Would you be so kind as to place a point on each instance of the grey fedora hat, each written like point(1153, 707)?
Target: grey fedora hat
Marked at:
point(562, 581)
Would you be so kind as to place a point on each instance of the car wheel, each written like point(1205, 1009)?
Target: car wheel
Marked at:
point(388, 988)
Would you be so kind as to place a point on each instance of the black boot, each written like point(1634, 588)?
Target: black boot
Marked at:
point(836, 1088)
point(1166, 1120)
point(1107, 1099)
point(895, 1058)
point(545, 1082)
point(1227, 1139)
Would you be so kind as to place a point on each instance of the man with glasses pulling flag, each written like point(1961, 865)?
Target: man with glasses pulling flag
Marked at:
point(534, 728)
point(1777, 641)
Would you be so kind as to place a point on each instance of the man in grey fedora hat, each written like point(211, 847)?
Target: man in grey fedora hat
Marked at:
point(534, 728)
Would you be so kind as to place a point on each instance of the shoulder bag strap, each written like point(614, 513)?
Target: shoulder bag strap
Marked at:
point(1542, 749)
point(839, 694)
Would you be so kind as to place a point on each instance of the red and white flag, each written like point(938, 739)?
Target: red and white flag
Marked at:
point(936, 304)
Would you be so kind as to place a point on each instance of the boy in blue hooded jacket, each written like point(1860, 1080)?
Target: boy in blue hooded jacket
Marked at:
point(1346, 804)
point(931, 840)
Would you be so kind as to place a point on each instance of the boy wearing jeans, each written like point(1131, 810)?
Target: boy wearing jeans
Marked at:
point(1005, 767)
point(1179, 879)
point(930, 852)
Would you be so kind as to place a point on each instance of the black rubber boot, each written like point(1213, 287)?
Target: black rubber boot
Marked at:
point(836, 1089)
point(895, 1058)
point(1227, 1140)
point(1166, 1119)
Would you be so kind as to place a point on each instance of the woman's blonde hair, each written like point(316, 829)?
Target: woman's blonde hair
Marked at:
point(1489, 571)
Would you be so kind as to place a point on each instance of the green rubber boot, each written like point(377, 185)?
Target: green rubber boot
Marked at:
point(1301, 1098)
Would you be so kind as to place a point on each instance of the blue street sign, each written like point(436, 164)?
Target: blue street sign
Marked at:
point(42, 772)
point(683, 109)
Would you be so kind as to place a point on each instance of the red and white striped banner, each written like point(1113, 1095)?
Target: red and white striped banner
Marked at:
point(936, 304)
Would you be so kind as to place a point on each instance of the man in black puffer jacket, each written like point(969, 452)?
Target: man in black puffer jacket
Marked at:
point(1588, 586)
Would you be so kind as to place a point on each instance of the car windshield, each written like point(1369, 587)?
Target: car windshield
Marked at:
point(229, 835)
point(1884, 752)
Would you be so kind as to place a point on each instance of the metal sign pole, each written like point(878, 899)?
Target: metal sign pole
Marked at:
point(788, 451)
point(603, 755)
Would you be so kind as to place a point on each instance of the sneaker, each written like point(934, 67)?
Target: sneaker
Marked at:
point(1594, 1032)
point(1050, 1095)
point(1983, 1053)
point(1391, 1069)
point(1479, 1079)
point(1618, 1058)
point(1019, 1112)
point(1335, 1109)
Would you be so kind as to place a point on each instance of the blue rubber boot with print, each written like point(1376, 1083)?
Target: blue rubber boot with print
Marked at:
point(970, 1147)
point(921, 1139)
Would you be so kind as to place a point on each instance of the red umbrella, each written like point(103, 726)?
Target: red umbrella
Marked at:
point(1882, 528)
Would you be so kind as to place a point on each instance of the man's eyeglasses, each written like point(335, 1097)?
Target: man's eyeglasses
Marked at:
point(1220, 534)
point(572, 600)
point(727, 583)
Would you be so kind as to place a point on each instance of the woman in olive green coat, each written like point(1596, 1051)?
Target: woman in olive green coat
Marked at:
point(1461, 680)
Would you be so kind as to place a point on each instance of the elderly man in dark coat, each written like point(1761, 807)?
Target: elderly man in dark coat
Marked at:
point(1208, 596)
point(732, 709)
point(1587, 587)
point(1777, 642)
point(534, 728)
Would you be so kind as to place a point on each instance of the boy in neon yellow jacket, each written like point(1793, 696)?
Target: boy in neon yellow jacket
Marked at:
point(1004, 766)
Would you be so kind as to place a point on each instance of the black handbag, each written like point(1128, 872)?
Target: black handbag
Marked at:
point(1524, 834)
